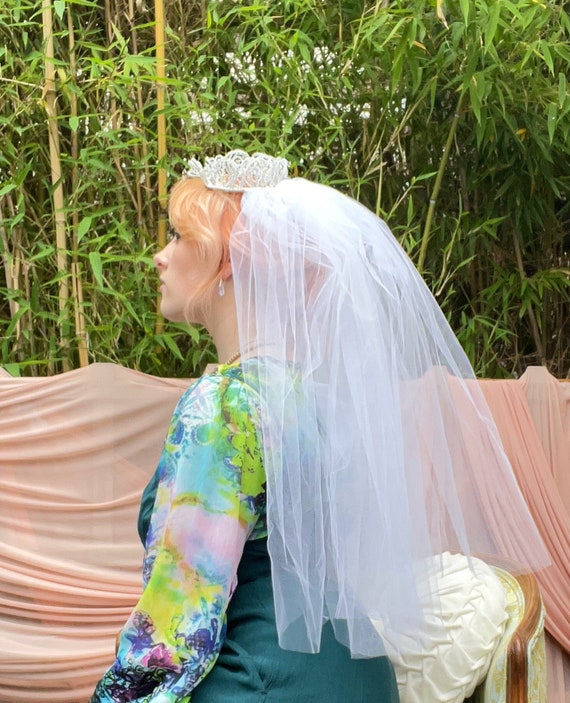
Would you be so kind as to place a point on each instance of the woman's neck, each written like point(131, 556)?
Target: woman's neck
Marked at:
point(222, 325)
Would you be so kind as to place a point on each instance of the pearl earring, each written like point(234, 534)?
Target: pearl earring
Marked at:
point(221, 289)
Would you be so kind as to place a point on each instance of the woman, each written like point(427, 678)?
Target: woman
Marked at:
point(309, 483)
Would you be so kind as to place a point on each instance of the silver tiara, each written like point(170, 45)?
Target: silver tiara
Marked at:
point(237, 171)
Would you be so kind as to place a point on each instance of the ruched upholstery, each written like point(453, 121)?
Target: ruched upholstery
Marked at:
point(447, 660)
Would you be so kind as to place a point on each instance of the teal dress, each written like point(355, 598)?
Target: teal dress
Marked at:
point(204, 629)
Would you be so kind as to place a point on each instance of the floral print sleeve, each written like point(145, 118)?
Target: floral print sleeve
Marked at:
point(210, 500)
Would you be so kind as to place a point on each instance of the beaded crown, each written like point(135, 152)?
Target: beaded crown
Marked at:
point(238, 171)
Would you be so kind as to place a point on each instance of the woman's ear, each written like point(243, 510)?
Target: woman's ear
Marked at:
point(226, 270)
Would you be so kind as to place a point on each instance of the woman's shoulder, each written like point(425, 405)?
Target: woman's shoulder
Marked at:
point(223, 390)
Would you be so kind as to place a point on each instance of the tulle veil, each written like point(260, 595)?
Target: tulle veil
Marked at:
point(380, 451)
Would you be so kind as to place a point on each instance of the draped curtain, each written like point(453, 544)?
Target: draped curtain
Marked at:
point(533, 417)
point(75, 453)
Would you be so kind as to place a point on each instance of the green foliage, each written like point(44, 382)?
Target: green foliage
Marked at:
point(359, 95)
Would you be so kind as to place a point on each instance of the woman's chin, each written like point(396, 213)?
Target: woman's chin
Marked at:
point(177, 316)
point(169, 314)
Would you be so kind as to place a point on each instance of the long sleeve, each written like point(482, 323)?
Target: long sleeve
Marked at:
point(210, 494)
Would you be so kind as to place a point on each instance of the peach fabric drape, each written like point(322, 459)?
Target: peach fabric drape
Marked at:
point(75, 453)
point(533, 417)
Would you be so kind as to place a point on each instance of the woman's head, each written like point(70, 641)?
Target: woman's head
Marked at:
point(198, 255)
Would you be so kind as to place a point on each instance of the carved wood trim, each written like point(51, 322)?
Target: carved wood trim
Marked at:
point(517, 652)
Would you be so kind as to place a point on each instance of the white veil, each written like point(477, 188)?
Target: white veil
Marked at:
point(379, 449)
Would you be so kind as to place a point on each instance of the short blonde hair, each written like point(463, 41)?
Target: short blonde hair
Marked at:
point(204, 217)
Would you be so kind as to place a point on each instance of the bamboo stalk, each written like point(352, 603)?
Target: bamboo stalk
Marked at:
point(140, 207)
point(530, 310)
point(437, 184)
point(28, 287)
point(11, 266)
point(115, 112)
point(49, 101)
point(18, 279)
point(77, 286)
point(161, 117)
point(82, 343)
point(161, 132)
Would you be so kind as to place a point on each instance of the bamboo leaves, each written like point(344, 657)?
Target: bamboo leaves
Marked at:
point(452, 120)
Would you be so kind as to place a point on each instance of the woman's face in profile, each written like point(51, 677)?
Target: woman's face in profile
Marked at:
point(184, 275)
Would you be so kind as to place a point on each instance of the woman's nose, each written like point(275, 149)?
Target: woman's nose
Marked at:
point(160, 259)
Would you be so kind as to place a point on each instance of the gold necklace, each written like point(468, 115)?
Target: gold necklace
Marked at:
point(233, 357)
point(237, 355)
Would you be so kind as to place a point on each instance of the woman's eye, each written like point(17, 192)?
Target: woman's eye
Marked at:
point(173, 234)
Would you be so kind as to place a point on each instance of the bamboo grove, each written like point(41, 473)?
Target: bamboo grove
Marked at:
point(451, 120)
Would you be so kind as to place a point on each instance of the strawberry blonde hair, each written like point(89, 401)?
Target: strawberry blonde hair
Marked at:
point(204, 217)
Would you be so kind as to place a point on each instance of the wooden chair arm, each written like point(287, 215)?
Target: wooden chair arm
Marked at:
point(517, 652)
